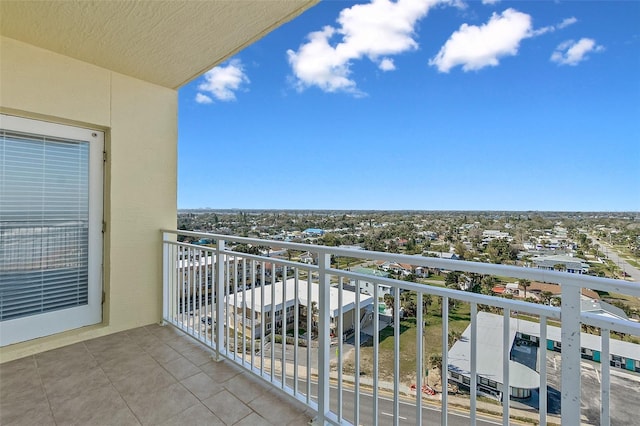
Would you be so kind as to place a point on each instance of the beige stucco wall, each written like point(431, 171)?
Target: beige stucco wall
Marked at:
point(140, 124)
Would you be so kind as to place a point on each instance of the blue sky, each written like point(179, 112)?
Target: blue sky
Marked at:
point(423, 105)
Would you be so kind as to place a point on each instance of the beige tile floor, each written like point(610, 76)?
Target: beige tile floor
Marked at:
point(150, 375)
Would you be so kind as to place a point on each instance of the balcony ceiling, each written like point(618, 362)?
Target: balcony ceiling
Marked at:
point(167, 43)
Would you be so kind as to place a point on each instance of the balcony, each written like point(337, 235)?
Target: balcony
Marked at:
point(196, 369)
point(371, 375)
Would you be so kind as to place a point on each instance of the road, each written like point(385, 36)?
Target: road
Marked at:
point(633, 272)
point(407, 410)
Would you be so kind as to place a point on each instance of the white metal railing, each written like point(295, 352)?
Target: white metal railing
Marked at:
point(250, 309)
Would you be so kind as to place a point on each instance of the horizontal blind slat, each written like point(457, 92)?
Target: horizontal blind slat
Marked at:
point(43, 224)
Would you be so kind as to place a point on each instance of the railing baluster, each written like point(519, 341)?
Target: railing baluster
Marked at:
point(356, 393)
point(194, 290)
point(324, 338)
point(570, 335)
point(396, 356)
point(506, 349)
point(376, 348)
point(234, 267)
point(180, 273)
point(339, 353)
point(197, 320)
point(165, 276)
point(227, 289)
point(273, 321)
point(309, 330)
point(542, 348)
point(262, 319)
point(445, 360)
point(219, 319)
point(253, 313)
point(244, 309)
point(296, 326)
point(605, 385)
point(474, 363)
point(207, 309)
point(283, 359)
point(419, 357)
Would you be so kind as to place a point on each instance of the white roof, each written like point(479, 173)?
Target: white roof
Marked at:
point(252, 298)
point(489, 349)
point(489, 354)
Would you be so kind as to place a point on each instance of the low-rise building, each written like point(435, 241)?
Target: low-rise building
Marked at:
point(562, 262)
point(367, 287)
point(281, 298)
point(524, 341)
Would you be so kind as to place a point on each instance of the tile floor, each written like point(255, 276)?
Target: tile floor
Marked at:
point(150, 375)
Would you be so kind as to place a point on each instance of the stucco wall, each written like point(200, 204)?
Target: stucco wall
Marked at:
point(140, 124)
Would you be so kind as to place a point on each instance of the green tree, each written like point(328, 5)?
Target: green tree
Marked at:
point(435, 361)
point(453, 337)
point(461, 250)
point(546, 297)
point(525, 284)
point(452, 279)
point(389, 302)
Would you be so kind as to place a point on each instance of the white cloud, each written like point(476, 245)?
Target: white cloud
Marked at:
point(551, 28)
point(372, 30)
point(572, 53)
point(476, 47)
point(203, 99)
point(490, 1)
point(222, 82)
point(566, 22)
point(387, 65)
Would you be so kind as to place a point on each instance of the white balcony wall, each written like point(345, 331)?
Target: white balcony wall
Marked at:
point(139, 119)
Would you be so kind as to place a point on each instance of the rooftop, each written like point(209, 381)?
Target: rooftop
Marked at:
point(254, 298)
point(490, 354)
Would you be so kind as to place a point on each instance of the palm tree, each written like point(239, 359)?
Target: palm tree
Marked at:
point(559, 267)
point(525, 284)
point(435, 361)
point(546, 296)
point(389, 301)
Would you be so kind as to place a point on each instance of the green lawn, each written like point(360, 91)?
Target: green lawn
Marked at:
point(459, 318)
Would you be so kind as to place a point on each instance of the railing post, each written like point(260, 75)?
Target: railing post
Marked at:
point(324, 338)
point(220, 319)
point(570, 337)
point(166, 277)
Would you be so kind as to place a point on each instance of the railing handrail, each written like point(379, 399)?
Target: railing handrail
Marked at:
point(520, 272)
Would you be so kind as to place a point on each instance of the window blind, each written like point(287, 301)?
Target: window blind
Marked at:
point(44, 224)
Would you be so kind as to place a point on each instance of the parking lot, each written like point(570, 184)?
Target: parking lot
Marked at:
point(625, 391)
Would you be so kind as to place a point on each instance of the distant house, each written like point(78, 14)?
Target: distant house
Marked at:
point(442, 255)
point(366, 286)
point(512, 288)
point(490, 234)
point(602, 308)
point(536, 289)
point(309, 258)
point(421, 272)
point(571, 264)
point(313, 232)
